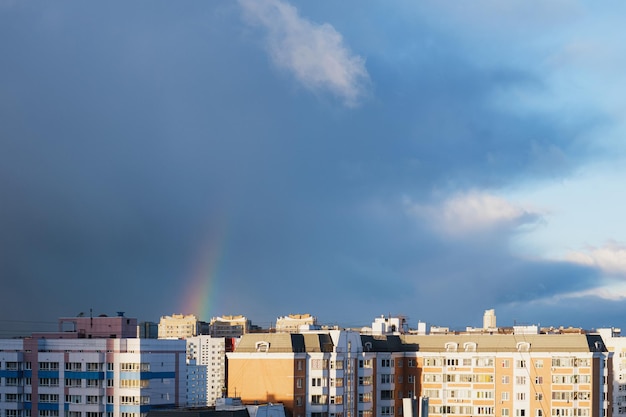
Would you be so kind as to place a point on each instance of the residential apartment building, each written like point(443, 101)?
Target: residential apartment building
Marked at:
point(229, 326)
point(293, 322)
point(514, 375)
point(313, 374)
point(179, 326)
point(99, 326)
point(209, 354)
point(80, 377)
point(616, 344)
point(342, 374)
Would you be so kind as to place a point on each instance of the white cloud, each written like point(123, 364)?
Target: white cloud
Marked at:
point(471, 212)
point(315, 54)
point(610, 258)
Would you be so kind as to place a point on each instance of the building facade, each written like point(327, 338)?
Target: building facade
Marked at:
point(345, 374)
point(81, 377)
point(178, 326)
point(209, 353)
point(229, 326)
point(293, 322)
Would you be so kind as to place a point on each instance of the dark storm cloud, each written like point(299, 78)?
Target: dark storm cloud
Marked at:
point(134, 134)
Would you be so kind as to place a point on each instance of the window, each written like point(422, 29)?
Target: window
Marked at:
point(12, 398)
point(316, 382)
point(365, 380)
point(49, 382)
point(386, 395)
point(12, 366)
point(386, 410)
point(505, 396)
point(365, 397)
point(12, 382)
point(318, 399)
point(520, 380)
point(451, 346)
point(298, 401)
point(505, 379)
point(520, 364)
point(74, 399)
point(336, 382)
point(538, 396)
point(506, 363)
point(411, 363)
point(386, 378)
point(521, 396)
point(48, 398)
point(505, 412)
point(386, 363)
point(319, 363)
point(485, 362)
point(299, 383)
point(411, 379)
point(433, 362)
point(520, 412)
point(93, 366)
point(93, 399)
point(336, 399)
point(48, 366)
point(470, 346)
point(73, 366)
point(539, 363)
point(538, 380)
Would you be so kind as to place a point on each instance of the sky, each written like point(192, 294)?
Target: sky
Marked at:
point(348, 159)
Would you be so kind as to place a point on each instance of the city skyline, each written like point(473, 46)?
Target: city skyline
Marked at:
point(347, 160)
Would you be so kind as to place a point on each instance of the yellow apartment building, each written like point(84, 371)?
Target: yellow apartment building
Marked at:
point(346, 374)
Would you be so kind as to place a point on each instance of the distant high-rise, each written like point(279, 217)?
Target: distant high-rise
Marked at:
point(293, 322)
point(178, 326)
point(489, 319)
point(229, 326)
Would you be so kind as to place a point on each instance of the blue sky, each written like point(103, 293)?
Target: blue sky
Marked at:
point(431, 159)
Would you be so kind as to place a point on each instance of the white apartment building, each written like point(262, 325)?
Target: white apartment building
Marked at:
point(616, 344)
point(209, 354)
point(73, 377)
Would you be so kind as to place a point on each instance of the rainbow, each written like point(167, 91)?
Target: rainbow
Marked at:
point(199, 296)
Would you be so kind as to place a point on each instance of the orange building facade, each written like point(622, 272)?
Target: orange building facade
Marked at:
point(346, 374)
